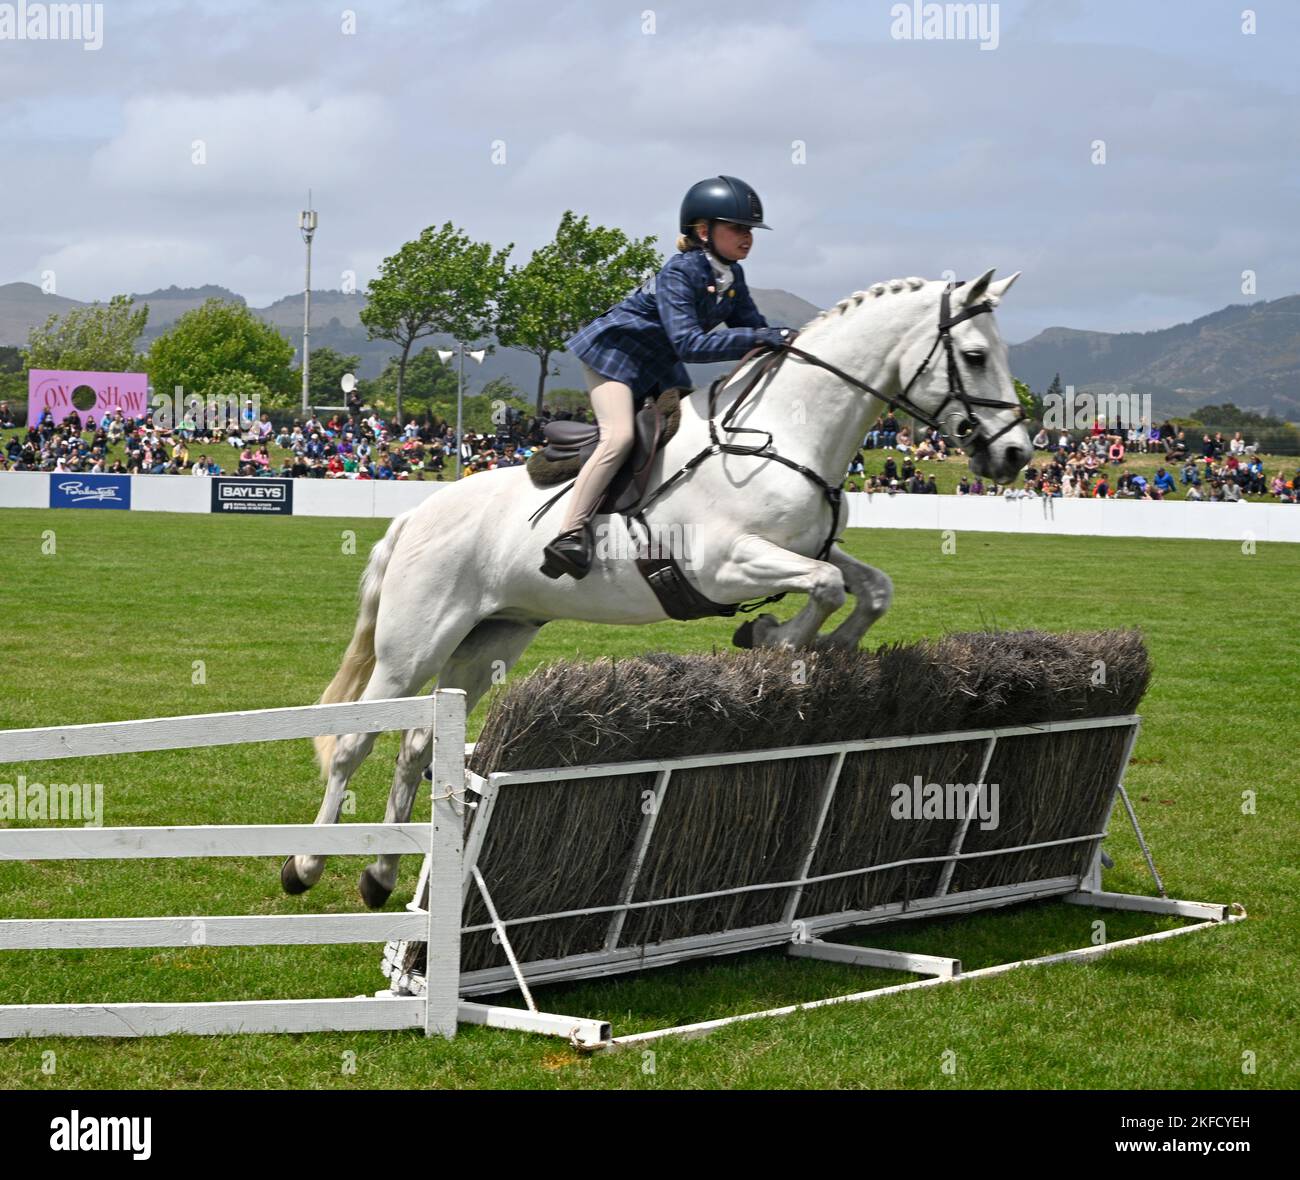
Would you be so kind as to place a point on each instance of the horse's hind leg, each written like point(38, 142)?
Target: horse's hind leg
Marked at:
point(483, 658)
point(396, 674)
point(300, 873)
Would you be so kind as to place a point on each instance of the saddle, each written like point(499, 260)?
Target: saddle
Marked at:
point(569, 445)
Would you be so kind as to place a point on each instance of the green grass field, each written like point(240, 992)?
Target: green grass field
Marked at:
point(110, 625)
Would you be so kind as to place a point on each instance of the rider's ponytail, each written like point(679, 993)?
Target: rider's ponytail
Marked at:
point(690, 241)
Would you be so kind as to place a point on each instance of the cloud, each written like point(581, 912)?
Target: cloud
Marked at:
point(919, 156)
point(248, 144)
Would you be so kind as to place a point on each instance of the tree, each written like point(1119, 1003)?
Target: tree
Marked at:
point(439, 283)
point(324, 381)
point(100, 337)
point(567, 284)
point(1032, 403)
point(218, 348)
point(426, 378)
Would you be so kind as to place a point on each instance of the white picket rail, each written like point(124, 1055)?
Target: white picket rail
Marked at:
point(444, 712)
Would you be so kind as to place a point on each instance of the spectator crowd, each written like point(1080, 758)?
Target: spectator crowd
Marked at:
point(351, 444)
point(1089, 464)
point(356, 444)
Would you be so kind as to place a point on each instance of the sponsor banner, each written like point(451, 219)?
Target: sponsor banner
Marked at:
point(256, 494)
point(95, 394)
point(90, 491)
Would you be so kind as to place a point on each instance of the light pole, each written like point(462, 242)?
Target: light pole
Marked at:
point(445, 355)
point(307, 227)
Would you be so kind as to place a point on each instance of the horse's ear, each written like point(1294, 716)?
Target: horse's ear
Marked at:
point(974, 292)
point(1002, 286)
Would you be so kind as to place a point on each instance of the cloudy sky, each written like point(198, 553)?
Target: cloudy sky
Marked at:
point(918, 155)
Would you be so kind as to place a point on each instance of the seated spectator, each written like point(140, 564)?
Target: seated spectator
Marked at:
point(1115, 452)
point(202, 467)
point(903, 440)
point(1042, 440)
point(1164, 482)
point(963, 487)
point(1231, 492)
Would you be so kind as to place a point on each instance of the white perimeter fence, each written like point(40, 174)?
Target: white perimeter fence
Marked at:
point(986, 514)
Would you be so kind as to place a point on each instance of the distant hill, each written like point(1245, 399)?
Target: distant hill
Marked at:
point(1245, 354)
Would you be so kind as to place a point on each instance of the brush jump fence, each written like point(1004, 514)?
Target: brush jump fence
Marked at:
point(559, 850)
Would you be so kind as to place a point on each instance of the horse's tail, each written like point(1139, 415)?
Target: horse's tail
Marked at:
point(359, 659)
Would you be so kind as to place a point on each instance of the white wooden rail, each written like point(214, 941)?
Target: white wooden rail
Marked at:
point(440, 839)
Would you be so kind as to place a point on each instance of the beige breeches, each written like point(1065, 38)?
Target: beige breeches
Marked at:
point(612, 402)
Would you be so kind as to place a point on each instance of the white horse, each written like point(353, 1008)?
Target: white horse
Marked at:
point(454, 589)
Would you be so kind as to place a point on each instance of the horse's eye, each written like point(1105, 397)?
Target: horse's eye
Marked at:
point(974, 359)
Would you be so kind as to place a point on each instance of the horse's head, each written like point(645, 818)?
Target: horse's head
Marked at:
point(953, 372)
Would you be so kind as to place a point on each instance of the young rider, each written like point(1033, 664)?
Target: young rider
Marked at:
point(638, 347)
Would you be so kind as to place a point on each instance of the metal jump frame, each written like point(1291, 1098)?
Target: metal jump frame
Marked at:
point(801, 936)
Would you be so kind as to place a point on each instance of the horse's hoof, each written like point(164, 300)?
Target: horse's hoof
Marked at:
point(373, 893)
point(289, 879)
point(744, 636)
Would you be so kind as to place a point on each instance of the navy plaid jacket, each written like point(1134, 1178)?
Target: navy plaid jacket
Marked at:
point(643, 340)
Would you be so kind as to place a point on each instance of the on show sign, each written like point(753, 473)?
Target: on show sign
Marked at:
point(54, 390)
point(256, 494)
point(90, 491)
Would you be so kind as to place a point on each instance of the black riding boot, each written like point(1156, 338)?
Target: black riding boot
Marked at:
point(570, 553)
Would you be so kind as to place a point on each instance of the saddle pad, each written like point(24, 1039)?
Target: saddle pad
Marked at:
point(547, 473)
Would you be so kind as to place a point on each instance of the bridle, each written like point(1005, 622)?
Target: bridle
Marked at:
point(976, 437)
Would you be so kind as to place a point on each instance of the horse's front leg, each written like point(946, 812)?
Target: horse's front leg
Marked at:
point(757, 567)
point(872, 590)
